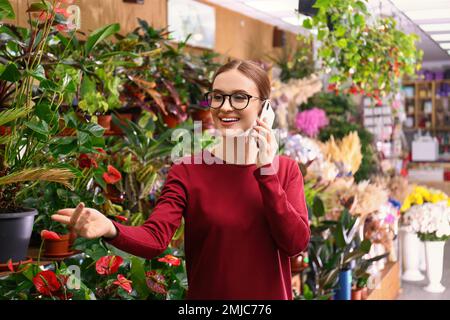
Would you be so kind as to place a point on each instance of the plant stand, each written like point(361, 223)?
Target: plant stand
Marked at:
point(434, 252)
point(411, 255)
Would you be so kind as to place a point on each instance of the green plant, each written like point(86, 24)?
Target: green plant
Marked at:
point(30, 103)
point(363, 56)
point(295, 63)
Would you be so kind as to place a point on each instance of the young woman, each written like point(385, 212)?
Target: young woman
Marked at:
point(241, 225)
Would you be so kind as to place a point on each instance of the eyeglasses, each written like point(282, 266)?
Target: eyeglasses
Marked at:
point(238, 100)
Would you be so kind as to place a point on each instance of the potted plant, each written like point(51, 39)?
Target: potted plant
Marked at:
point(361, 276)
point(370, 58)
point(31, 113)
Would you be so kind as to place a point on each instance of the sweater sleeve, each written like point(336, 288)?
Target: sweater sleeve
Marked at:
point(287, 213)
point(152, 238)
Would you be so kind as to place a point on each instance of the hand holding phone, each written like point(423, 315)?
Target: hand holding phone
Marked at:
point(265, 141)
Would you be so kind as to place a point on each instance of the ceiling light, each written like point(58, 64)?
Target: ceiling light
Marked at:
point(430, 27)
point(428, 14)
point(273, 5)
point(445, 45)
point(441, 37)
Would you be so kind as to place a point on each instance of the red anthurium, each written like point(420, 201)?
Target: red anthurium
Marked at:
point(108, 265)
point(156, 282)
point(171, 260)
point(112, 176)
point(100, 150)
point(10, 265)
point(84, 161)
point(124, 283)
point(122, 218)
point(49, 235)
point(47, 283)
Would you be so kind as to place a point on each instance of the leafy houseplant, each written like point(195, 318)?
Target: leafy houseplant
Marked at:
point(29, 109)
point(295, 63)
point(368, 57)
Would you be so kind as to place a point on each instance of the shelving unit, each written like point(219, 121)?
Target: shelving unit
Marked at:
point(427, 107)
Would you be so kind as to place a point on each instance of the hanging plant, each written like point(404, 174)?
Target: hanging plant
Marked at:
point(362, 57)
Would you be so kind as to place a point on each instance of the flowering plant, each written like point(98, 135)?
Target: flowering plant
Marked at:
point(421, 195)
point(311, 121)
point(301, 149)
point(431, 221)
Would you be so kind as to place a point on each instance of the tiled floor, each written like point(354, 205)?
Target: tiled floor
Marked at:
point(414, 291)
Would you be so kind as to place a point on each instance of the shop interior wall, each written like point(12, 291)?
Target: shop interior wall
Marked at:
point(237, 36)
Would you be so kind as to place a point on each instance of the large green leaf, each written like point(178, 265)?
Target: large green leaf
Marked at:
point(10, 73)
point(99, 35)
point(6, 10)
point(138, 278)
point(318, 207)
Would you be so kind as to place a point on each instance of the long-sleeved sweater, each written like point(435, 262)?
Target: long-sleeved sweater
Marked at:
point(241, 227)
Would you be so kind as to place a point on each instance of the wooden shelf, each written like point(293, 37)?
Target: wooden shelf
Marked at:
point(389, 286)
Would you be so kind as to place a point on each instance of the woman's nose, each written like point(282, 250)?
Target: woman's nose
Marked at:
point(226, 105)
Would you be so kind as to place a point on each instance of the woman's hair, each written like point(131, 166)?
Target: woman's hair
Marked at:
point(251, 70)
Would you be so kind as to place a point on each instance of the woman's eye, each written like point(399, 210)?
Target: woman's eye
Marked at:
point(239, 97)
point(217, 97)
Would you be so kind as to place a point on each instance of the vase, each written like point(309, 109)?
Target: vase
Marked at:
point(15, 233)
point(57, 247)
point(423, 259)
point(104, 121)
point(344, 292)
point(434, 252)
point(411, 255)
point(357, 294)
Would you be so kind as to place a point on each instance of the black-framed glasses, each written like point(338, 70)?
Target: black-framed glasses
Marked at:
point(237, 100)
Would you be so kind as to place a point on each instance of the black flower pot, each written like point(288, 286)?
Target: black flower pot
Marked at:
point(15, 233)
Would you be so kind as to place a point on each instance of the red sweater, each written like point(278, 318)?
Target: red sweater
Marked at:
point(241, 227)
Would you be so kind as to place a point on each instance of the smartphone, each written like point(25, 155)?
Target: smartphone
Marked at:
point(267, 113)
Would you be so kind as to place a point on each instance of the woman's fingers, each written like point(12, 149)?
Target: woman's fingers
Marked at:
point(76, 213)
point(61, 218)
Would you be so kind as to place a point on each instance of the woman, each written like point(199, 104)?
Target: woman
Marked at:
point(241, 225)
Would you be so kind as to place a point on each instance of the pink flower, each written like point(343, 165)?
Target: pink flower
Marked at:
point(311, 121)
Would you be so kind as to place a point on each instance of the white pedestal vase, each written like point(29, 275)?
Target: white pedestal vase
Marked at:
point(434, 252)
point(423, 258)
point(411, 255)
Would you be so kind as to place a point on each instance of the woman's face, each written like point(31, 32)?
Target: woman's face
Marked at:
point(229, 82)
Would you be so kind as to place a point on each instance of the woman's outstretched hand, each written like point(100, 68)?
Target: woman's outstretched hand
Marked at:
point(86, 222)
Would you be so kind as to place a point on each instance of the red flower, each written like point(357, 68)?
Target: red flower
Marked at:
point(353, 90)
point(332, 87)
point(47, 283)
point(84, 161)
point(112, 176)
point(170, 259)
point(10, 265)
point(108, 265)
point(49, 235)
point(63, 12)
point(156, 282)
point(122, 218)
point(124, 283)
point(100, 150)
